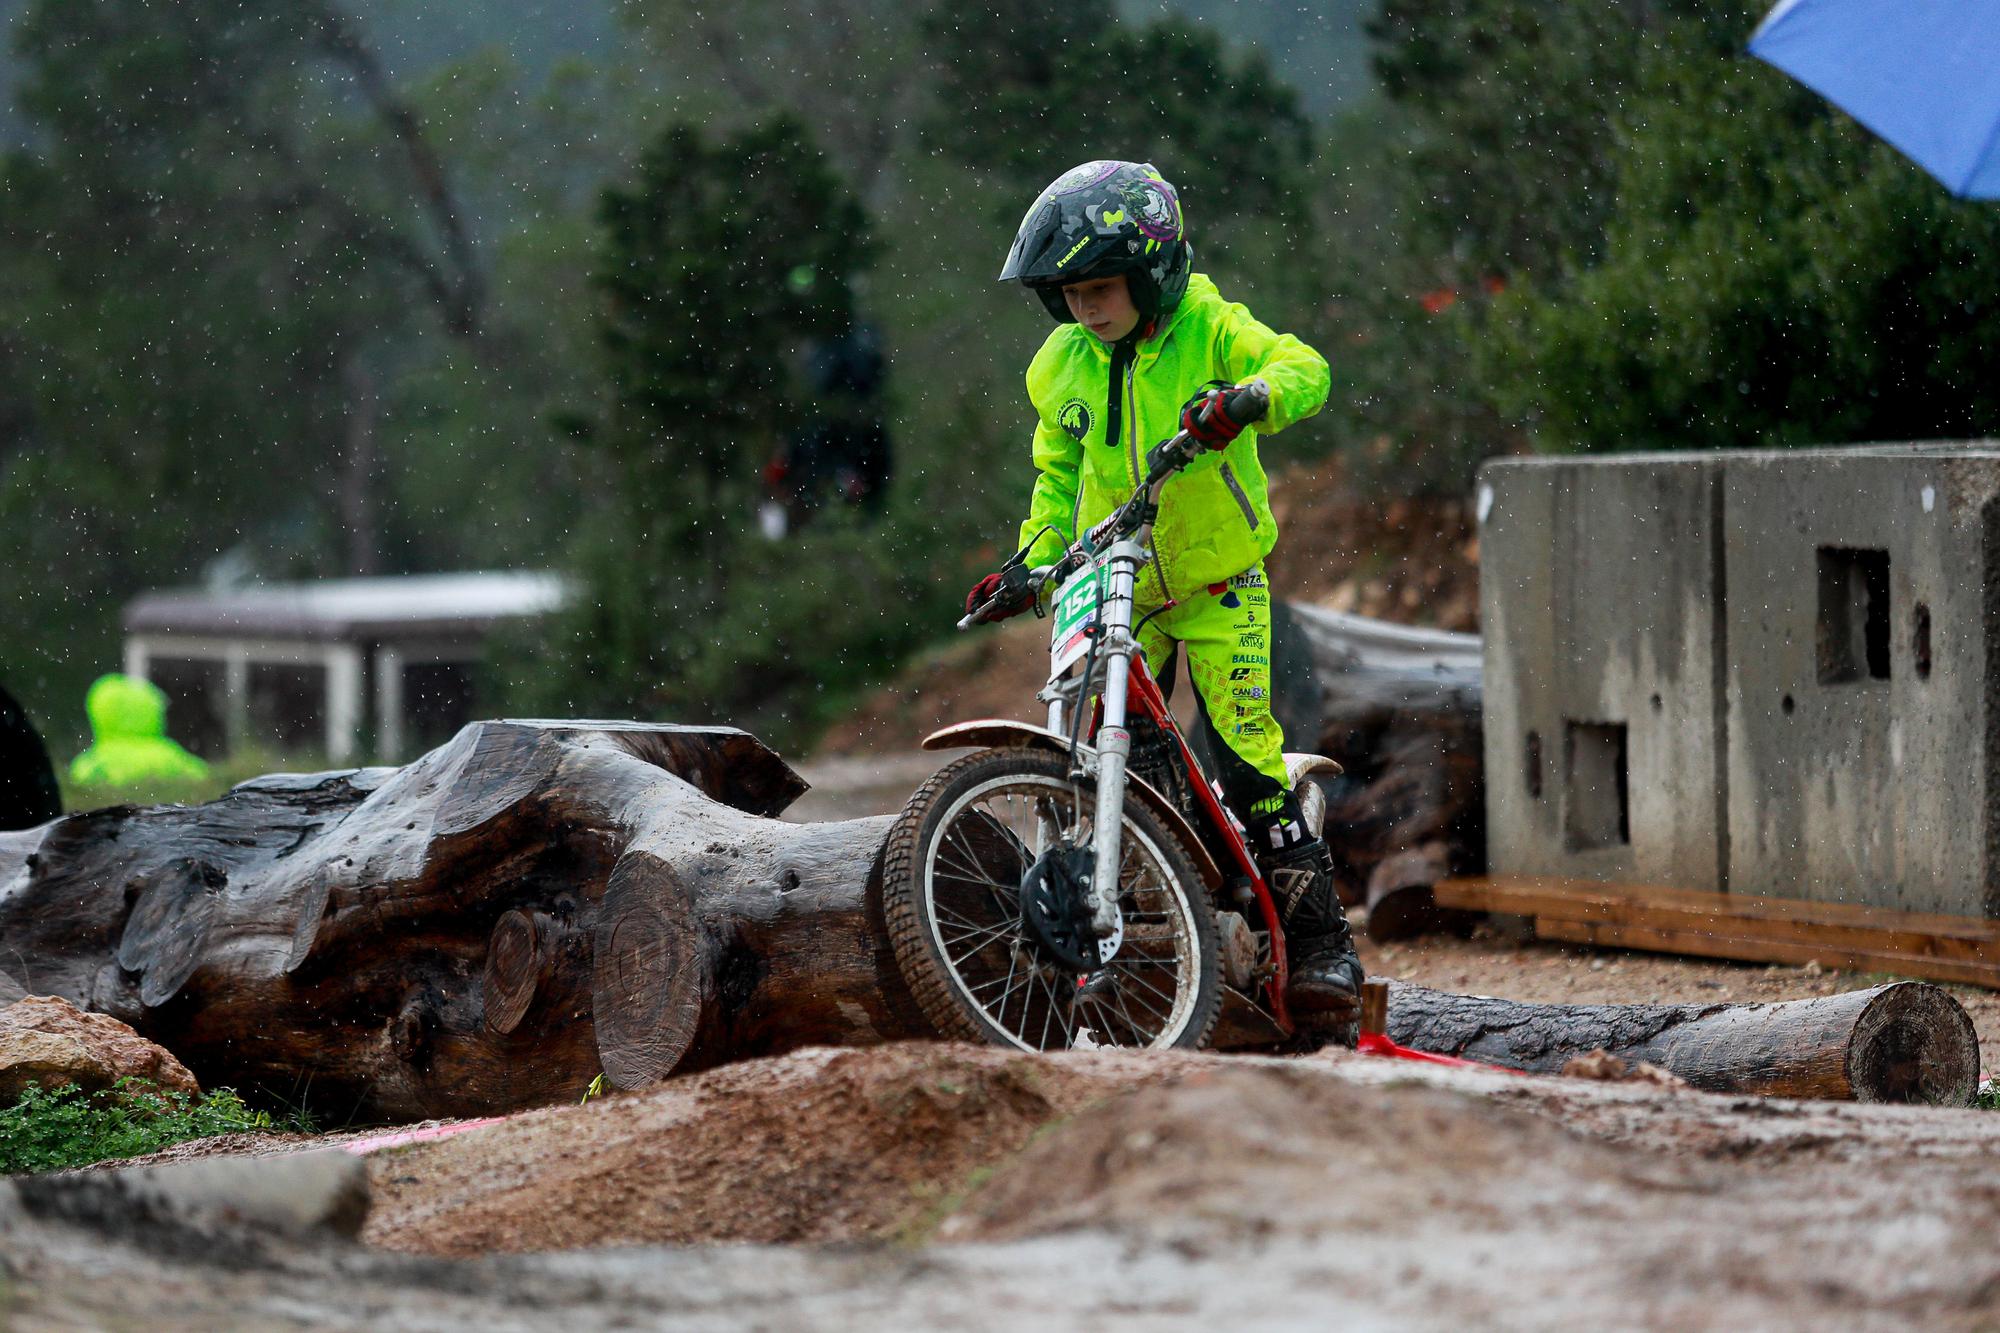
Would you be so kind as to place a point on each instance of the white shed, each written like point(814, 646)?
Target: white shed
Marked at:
point(300, 663)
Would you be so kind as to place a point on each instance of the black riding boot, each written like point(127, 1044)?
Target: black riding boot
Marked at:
point(1324, 991)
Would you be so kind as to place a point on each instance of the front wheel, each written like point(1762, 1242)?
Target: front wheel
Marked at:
point(952, 896)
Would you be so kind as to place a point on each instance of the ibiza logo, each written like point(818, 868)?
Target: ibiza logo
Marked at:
point(1075, 419)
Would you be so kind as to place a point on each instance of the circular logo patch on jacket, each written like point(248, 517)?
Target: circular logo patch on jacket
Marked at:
point(1075, 419)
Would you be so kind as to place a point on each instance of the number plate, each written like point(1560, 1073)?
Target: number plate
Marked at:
point(1074, 612)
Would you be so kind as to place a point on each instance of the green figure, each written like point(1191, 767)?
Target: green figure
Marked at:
point(128, 718)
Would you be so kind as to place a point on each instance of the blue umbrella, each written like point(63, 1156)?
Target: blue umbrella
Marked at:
point(1923, 74)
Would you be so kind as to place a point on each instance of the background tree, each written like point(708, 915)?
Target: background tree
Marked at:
point(228, 222)
point(720, 257)
point(1770, 274)
point(244, 246)
point(1695, 251)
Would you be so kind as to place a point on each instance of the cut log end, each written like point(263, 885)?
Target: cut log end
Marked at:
point(515, 958)
point(1914, 1044)
point(649, 979)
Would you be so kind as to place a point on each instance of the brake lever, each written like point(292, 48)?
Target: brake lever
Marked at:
point(1015, 578)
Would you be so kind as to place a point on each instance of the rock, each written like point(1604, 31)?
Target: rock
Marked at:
point(47, 1040)
point(1606, 1067)
point(52, 1059)
point(240, 1198)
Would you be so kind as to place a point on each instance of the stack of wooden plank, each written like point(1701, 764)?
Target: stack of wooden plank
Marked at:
point(1732, 925)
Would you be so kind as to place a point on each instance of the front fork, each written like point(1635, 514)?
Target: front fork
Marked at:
point(1114, 741)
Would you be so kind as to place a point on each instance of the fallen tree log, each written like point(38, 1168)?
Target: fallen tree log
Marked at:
point(1904, 1042)
point(1401, 712)
point(484, 929)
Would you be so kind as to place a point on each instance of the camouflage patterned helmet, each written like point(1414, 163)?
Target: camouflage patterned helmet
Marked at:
point(1100, 219)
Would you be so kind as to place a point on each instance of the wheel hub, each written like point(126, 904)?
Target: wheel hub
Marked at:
point(1055, 916)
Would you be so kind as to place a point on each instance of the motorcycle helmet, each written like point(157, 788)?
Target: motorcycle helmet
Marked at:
point(1101, 219)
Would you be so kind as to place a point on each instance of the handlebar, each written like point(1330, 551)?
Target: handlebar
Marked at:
point(1245, 404)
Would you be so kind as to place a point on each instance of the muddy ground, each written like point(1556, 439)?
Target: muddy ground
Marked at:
point(936, 1186)
point(946, 1186)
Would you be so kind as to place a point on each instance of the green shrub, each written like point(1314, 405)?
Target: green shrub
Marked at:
point(52, 1129)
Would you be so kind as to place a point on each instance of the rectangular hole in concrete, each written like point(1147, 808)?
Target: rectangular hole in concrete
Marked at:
point(1595, 769)
point(1853, 625)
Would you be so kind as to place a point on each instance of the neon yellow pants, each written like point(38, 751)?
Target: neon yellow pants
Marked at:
point(1227, 634)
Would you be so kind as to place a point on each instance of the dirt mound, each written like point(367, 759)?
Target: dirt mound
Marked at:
point(819, 1145)
point(1242, 1145)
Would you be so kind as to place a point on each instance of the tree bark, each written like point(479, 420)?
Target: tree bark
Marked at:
point(1904, 1042)
point(1402, 715)
point(482, 930)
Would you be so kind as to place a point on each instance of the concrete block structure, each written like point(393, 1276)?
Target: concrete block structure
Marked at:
point(1773, 673)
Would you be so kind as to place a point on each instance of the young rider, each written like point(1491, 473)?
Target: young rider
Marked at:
point(1144, 344)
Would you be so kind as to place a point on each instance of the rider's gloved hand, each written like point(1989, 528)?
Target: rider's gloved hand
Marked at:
point(983, 590)
point(1217, 430)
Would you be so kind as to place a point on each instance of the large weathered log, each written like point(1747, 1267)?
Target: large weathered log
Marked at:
point(1401, 712)
point(484, 929)
point(1904, 1042)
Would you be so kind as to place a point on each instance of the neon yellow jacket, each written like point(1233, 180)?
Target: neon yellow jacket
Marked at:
point(128, 717)
point(1215, 518)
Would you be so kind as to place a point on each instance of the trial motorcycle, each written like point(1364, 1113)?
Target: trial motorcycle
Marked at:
point(1022, 918)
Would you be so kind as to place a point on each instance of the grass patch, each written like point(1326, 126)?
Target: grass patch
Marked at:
point(53, 1129)
point(1988, 1096)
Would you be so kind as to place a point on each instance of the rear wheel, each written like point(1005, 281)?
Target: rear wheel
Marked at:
point(952, 896)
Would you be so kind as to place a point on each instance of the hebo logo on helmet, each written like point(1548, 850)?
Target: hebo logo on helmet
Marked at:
point(1081, 241)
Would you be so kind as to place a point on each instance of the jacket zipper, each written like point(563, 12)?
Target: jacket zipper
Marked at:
point(1132, 435)
point(1242, 500)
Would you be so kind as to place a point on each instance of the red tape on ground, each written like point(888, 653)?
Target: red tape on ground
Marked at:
point(397, 1138)
point(1376, 1043)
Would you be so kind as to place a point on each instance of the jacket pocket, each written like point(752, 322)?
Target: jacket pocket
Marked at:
point(1242, 500)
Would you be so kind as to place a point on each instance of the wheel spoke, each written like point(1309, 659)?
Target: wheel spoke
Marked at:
point(1134, 1026)
point(971, 852)
point(1142, 1002)
point(1008, 990)
point(971, 874)
point(984, 934)
point(948, 917)
point(1133, 976)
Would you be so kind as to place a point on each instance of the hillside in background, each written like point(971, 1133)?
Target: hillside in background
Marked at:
point(1320, 51)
